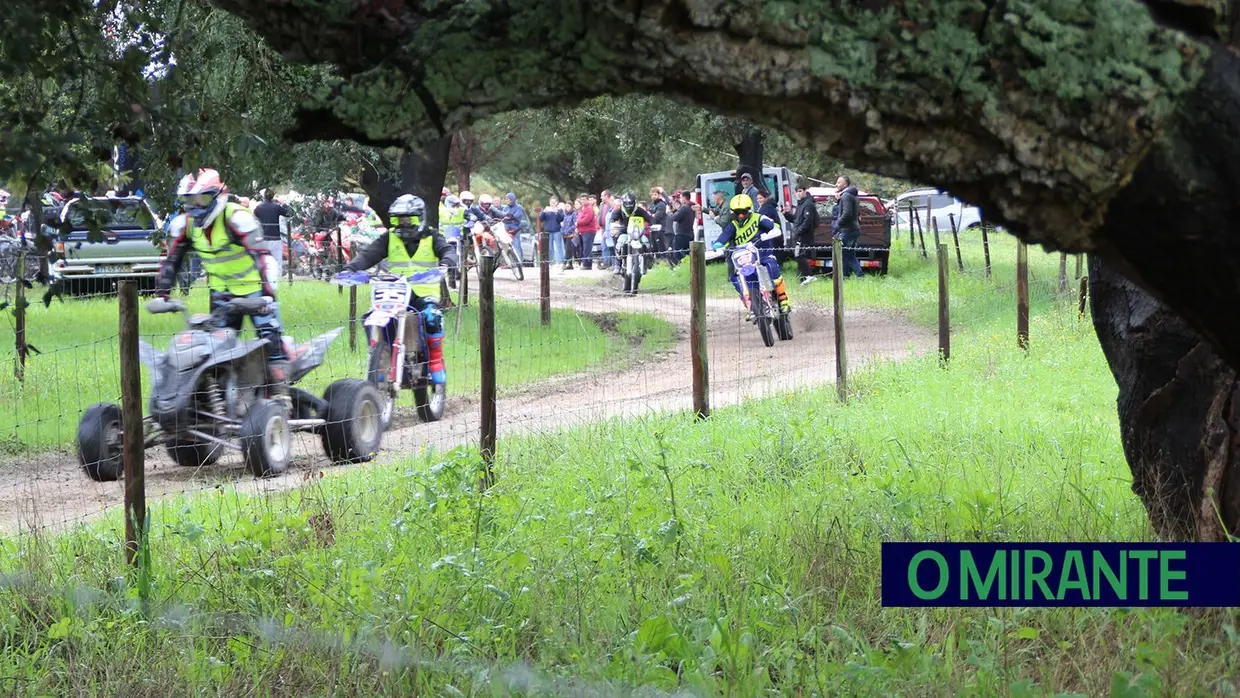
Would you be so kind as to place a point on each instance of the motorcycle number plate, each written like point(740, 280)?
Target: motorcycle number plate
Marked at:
point(390, 296)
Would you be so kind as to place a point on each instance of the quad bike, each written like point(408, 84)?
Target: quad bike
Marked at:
point(392, 329)
point(496, 241)
point(631, 246)
point(209, 395)
point(759, 294)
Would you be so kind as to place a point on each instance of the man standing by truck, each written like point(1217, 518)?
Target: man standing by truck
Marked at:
point(803, 224)
point(848, 225)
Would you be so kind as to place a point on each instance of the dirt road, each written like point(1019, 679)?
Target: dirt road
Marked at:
point(50, 490)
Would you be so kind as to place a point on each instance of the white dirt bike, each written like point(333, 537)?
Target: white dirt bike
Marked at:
point(632, 246)
point(759, 294)
point(391, 329)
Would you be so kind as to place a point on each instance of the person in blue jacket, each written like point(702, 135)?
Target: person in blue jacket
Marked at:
point(749, 227)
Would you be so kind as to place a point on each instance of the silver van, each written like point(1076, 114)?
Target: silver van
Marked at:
point(780, 181)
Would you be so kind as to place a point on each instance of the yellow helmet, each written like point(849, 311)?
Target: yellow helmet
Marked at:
point(741, 202)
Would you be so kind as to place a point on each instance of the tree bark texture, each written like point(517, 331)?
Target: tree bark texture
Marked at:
point(1177, 410)
point(1100, 126)
point(422, 172)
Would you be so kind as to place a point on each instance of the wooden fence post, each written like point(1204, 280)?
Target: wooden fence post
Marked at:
point(915, 216)
point(1080, 313)
point(841, 361)
point(1022, 296)
point(1063, 273)
point(353, 318)
point(934, 227)
point(486, 346)
point(19, 318)
point(945, 337)
point(133, 448)
point(986, 246)
point(1078, 265)
point(544, 276)
point(288, 235)
point(339, 256)
point(956, 238)
point(697, 329)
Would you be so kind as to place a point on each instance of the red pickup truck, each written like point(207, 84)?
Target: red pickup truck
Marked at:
point(875, 240)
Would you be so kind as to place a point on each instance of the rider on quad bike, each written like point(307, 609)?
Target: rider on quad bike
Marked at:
point(228, 240)
point(749, 227)
point(410, 246)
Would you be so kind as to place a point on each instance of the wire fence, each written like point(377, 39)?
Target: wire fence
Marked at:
point(533, 356)
point(585, 352)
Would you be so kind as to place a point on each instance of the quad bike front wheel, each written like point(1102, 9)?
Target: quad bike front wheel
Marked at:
point(99, 442)
point(266, 439)
point(354, 426)
point(194, 454)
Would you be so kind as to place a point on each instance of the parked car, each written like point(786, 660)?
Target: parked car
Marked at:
point(130, 247)
point(943, 209)
point(780, 181)
point(874, 243)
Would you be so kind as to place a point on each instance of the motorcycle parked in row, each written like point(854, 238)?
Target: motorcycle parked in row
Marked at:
point(759, 294)
point(210, 395)
point(399, 353)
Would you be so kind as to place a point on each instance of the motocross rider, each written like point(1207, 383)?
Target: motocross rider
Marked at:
point(228, 240)
point(619, 223)
point(451, 222)
point(749, 227)
point(411, 246)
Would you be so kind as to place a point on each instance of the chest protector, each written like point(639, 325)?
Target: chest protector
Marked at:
point(404, 264)
point(746, 230)
point(230, 267)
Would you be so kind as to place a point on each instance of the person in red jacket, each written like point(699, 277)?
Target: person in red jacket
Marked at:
point(587, 228)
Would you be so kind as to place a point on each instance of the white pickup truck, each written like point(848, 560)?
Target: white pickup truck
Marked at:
point(128, 249)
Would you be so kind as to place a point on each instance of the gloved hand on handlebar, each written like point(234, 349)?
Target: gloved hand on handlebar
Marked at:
point(716, 245)
point(351, 277)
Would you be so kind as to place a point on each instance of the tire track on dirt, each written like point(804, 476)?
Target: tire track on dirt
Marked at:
point(50, 491)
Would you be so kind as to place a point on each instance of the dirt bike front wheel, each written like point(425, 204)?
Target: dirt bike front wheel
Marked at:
point(760, 307)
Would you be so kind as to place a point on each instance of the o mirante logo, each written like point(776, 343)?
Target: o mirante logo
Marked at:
point(1061, 574)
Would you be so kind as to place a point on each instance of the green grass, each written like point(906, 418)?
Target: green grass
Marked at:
point(732, 557)
point(78, 361)
point(737, 556)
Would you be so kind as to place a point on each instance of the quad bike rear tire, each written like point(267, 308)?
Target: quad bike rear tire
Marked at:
point(99, 442)
point(266, 439)
point(354, 429)
point(194, 454)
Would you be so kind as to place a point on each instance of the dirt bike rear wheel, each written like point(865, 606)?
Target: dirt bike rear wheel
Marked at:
point(762, 316)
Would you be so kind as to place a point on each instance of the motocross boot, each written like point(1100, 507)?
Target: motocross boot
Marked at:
point(434, 347)
point(277, 381)
point(781, 292)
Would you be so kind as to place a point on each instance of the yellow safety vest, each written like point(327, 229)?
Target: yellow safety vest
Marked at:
point(745, 231)
point(229, 266)
point(402, 263)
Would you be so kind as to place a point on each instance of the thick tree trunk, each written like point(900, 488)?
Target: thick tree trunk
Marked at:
point(1177, 410)
point(750, 149)
point(421, 172)
point(1085, 126)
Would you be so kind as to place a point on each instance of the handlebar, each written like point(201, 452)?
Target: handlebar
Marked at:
point(158, 306)
point(430, 276)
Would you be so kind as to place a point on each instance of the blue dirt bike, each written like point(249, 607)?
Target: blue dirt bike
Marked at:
point(391, 365)
point(759, 292)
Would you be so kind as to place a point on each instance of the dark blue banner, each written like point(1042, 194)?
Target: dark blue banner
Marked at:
point(1061, 574)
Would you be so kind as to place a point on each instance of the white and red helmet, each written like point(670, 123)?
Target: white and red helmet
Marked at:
point(207, 197)
point(467, 198)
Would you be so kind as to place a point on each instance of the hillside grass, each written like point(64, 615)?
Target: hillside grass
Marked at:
point(77, 362)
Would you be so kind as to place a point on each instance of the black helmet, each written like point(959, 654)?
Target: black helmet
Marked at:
point(408, 215)
point(628, 203)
